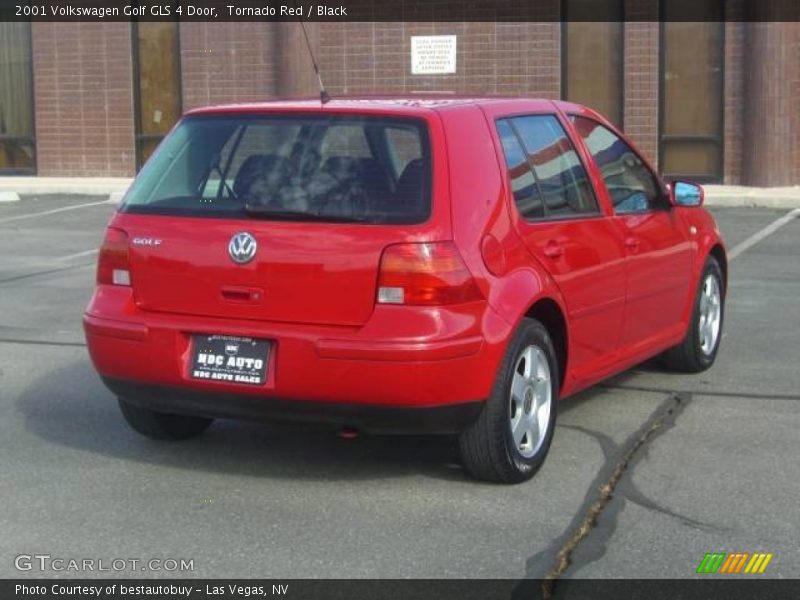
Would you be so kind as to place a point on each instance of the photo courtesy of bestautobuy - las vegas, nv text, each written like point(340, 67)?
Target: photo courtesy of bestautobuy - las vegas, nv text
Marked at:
point(387, 300)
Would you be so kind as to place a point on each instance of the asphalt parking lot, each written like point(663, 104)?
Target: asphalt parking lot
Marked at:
point(702, 463)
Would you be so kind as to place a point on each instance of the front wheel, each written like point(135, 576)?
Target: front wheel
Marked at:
point(510, 439)
point(162, 426)
point(699, 348)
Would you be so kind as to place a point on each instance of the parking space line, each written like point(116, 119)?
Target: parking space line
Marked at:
point(695, 393)
point(54, 211)
point(69, 257)
point(47, 272)
point(765, 232)
point(25, 342)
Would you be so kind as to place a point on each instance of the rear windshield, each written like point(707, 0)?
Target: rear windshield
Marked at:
point(314, 168)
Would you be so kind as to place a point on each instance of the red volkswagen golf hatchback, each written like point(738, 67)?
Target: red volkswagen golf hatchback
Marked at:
point(450, 265)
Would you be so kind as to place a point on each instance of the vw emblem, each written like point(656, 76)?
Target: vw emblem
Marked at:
point(242, 248)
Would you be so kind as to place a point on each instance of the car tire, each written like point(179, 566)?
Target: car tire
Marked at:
point(162, 426)
point(510, 439)
point(698, 350)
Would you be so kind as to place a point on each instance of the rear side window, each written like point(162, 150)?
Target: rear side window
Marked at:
point(561, 181)
point(523, 184)
point(335, 168)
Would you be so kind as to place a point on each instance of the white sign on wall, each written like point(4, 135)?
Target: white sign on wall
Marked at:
point(433, 54)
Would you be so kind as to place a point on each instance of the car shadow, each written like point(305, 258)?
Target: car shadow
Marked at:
point(69, 406)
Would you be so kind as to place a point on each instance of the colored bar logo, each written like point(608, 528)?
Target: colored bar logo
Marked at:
point(734, 563)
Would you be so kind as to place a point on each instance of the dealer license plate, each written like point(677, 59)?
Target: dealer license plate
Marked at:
point(229, 359)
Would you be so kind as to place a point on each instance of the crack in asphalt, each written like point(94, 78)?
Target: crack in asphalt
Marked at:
point(760, 395)
point(556, 559)
point(41, 342)
point(631, 492)
point(47, 272)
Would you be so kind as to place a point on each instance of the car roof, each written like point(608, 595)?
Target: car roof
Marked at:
point(405, 104)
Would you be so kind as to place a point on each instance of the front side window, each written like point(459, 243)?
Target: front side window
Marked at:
point(631, 185)
point(322, 168)
point(541, 158)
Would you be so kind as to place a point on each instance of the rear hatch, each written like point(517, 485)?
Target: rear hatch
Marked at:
point(275, 217)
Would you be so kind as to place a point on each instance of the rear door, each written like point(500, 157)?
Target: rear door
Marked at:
point(276, 217)
point(658, 250)
point(564, 228)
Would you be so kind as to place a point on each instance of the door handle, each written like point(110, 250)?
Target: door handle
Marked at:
point(239, 294)
point(553, 249)
point(632, 243)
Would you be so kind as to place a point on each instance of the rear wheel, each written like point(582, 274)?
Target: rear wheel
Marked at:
point(510, 439)
point(699, 348)
point(162, 426)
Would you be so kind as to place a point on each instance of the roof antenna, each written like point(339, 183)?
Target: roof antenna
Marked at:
point(324, 97)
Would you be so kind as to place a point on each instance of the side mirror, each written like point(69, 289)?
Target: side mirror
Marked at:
point(686, 193)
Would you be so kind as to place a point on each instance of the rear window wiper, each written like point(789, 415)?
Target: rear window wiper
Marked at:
point(265, 212)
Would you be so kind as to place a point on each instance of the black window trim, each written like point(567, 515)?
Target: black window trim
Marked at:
point(596, 214)
point(665, 205)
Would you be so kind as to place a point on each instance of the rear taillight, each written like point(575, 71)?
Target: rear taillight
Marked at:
point(429, 274)
point(113, 264)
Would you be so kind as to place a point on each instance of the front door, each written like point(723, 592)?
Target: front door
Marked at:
point(658, 253)
point(658, 267)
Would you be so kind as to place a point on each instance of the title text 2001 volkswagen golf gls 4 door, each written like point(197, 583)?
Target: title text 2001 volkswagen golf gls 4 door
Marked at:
point(455, 266)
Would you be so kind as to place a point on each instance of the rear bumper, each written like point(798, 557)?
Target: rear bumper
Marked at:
point(446, 419)
point(418, 368)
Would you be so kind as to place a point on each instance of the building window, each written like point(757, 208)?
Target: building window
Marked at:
point(17, 142)
point(692, 57)
point(157, 83)
point(592, 55)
